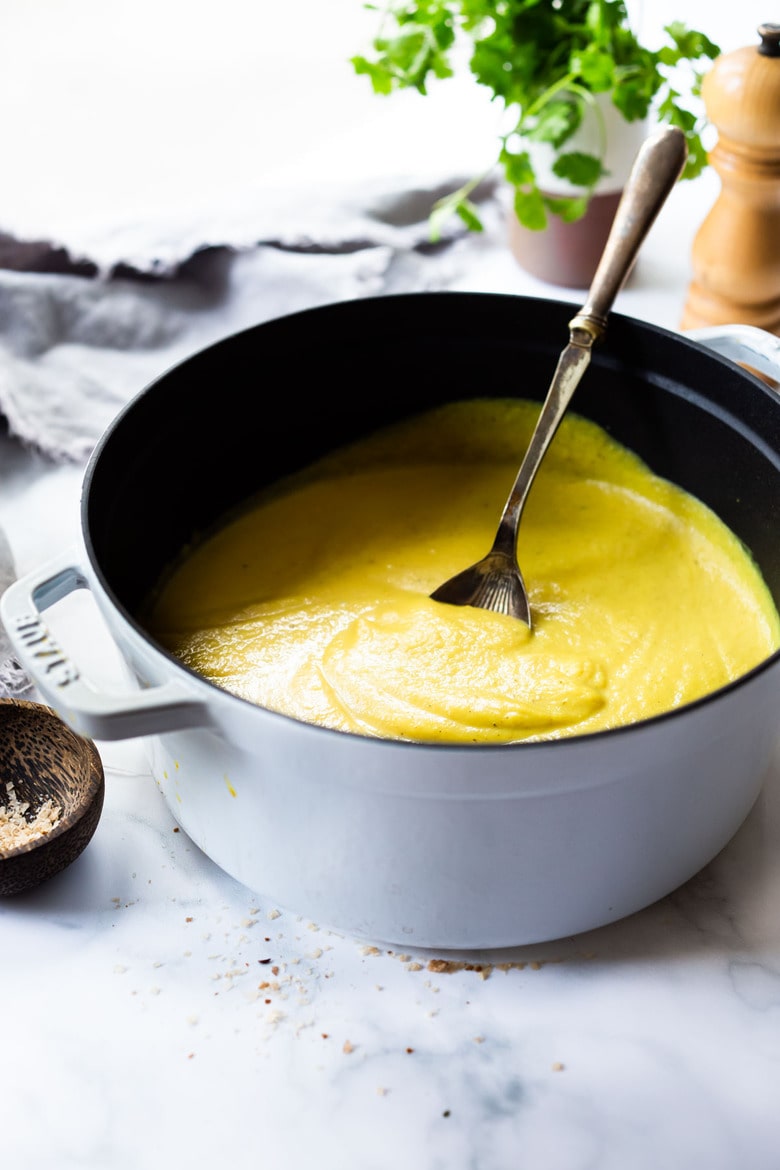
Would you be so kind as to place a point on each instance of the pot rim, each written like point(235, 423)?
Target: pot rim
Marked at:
point(212, 689)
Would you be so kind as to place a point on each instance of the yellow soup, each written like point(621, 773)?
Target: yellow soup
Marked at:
point(315, 600)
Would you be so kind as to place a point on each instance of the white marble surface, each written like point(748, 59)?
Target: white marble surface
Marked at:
point(156, 1013)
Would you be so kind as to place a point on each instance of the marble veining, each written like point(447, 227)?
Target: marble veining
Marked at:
point(157, 1012)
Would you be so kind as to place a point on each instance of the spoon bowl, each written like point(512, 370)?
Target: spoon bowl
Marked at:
point(42, 760)
point(495, 582)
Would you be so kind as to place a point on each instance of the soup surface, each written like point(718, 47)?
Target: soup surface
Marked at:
point(314, 601)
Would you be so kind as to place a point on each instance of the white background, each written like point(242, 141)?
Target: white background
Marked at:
point(112, 109)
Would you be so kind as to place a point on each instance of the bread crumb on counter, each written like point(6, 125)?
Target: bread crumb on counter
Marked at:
point(449, 966)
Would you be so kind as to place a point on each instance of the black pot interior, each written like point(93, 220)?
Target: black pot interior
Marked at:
point(241, 414)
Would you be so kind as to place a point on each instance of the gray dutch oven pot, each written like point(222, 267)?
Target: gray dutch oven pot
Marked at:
point(444, 847)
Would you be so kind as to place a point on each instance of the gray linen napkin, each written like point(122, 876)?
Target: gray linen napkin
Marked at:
point(74, 349)
point(86, 323)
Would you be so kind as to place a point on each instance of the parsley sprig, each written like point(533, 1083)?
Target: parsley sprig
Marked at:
point(544, 60)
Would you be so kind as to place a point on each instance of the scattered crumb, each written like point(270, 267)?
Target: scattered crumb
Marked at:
point(414, 966)
point(479, 1039)
point(449, 966)
point(382, 1092)
point(557, 1066)
point(274, 914)
point(119, 969)
point(347, 1047)
point(484, 970)
point(369, 950)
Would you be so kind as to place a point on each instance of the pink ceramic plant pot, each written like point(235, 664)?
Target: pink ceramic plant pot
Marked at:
point(568, 253)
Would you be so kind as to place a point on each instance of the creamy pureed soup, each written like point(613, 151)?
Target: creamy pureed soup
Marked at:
point(315, 600)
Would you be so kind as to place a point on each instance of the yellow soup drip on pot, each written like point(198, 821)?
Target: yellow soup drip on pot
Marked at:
point(314, 601)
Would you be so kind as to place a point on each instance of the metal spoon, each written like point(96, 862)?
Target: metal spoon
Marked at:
point(495, 582)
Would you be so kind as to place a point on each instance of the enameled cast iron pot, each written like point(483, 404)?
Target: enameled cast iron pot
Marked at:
point(447, 847)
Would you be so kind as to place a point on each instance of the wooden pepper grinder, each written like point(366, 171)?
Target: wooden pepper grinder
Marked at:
point(736, 252)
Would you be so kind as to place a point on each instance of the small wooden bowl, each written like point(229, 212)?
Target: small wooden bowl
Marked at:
point(42, 757)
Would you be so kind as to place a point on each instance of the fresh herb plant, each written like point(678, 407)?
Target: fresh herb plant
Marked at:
point(545, 60)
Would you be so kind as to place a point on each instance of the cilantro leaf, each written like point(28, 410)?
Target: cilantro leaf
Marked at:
point(581, 170)
point(517, 168)
point(556, 122)
point(530, 209)
point(567, 209)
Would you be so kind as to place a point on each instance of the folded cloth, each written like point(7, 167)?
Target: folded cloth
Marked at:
point(73, 350)
point(87, 322)
point(324, 218)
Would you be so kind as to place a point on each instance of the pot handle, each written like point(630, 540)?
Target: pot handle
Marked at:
point(148, 711)
point(746, 344)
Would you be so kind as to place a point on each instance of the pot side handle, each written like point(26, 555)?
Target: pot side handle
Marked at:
point(745, 344)
point(148, 711)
